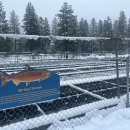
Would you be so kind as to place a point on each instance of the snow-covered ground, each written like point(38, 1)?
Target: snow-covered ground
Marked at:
point(117, 120)
point(27, 58)
point(114, 118)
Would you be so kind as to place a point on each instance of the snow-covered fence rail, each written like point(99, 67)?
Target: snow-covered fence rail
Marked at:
point(35, 37)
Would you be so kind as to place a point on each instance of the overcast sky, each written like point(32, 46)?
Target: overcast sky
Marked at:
point(88, 9)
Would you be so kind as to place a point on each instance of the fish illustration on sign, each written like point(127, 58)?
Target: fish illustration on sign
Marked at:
point(27, 76)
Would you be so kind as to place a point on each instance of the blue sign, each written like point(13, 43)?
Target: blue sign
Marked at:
point(28, 87)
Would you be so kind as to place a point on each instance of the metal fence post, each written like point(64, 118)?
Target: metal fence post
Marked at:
point(127, 82)
point(117, 70)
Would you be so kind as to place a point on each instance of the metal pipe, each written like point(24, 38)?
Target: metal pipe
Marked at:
point(127, 82)
point(117, 69)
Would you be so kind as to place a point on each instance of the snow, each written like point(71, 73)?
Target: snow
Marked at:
point(118, 120)
point(115, 118)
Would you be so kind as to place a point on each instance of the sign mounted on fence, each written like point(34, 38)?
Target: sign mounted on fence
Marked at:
point(28, 87)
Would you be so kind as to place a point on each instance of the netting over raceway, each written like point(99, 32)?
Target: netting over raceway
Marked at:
point(88, 86)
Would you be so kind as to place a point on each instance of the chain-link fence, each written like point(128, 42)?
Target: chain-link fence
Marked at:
point(90, 84)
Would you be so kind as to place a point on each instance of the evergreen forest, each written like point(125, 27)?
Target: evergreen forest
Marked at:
point(64, 23)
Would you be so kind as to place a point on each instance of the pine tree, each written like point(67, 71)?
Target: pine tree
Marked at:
point(54, 33)
point(41, 33)
point(65, 16)
point(44, 30)
point(83, 32)
point(128, 35)
point(107, 28)
point(108, 32)
point(41, 23)
point(14, 27)
point(93, 28)
point(128, 28)
point(86, 27)
point(115, 29)
point(93, 33)
point(46, 33)
point(74, 26)
point(54, 26)
point(81, 28)
point(14, 24)
point(5, 44)
point(73, 46)
point(31, 27)
point(3, 22)
point(67, 27)
point(122, 29)
point(100, 29)
point(100, 34)
point(122, 25)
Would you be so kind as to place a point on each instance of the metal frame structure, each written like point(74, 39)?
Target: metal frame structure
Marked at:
point(81, 92)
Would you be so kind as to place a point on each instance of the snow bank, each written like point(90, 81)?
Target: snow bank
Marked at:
point(106, 119)
point(115, 118)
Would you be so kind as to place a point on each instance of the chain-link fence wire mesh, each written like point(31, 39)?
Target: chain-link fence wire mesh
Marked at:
point(88, 86)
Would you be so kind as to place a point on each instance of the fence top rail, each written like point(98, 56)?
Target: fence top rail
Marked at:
point(35, 37)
